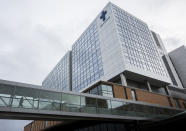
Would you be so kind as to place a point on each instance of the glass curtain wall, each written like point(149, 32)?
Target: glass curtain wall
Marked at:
point(102, 90)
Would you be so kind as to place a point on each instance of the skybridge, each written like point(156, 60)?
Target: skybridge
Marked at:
point(31, 102)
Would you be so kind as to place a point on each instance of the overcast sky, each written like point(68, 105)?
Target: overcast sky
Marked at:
point(35, 34)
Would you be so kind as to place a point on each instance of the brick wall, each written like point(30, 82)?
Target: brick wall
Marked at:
point(39, 125)
point(181, 103)
point(128, 90)
point(142, 95)
point(151, 98)
point(119, 92)
point(172, 101)
point(27, 127)
point(145, 96)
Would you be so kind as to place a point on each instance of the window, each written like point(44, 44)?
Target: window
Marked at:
point(68, 99)
point(102, 90)
point(90, 102)
point(86, 55)
point(160, 90)
point(133, 94)
point(102, 103)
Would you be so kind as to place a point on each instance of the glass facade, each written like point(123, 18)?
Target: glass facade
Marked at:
point(86, 59)
point(59, 77)
point(102, 90)
point(138, 46)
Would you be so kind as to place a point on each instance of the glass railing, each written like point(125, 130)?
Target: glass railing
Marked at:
point(41, 99)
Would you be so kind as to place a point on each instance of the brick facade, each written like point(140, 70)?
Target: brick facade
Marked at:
point(128, 90)
point(145, 96)
point(39, 125)
point(181, 103)
point(152, 98)
point(119, 92)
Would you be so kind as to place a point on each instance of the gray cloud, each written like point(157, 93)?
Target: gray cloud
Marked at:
point(172, 43)
point(29, 52)
point(34, 35)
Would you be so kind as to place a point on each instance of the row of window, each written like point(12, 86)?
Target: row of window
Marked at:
point(129, 18)
point(137, 43)
point(133, 31)
point(86, 59)
point(59, 77)
point(86, 81)
point(102, 90)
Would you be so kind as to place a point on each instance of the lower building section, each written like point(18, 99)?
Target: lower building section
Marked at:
point(153, 101)
point(83, 126)
point(171, 124)
point(157, 95)
point(94, 126)
point(40, 125)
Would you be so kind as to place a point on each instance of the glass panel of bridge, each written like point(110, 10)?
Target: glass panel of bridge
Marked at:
point(118, 107)
point(25, 97)
point(88, 104)
point(103, 106)
point(6, 94)
point(50, 100)
point(70, 102)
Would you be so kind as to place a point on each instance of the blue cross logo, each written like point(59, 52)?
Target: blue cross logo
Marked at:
point(103, 13)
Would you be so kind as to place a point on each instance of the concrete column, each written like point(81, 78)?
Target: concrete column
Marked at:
point(149, 87)
point(123, 79)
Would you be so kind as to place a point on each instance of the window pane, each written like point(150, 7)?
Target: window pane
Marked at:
point(90, 101)
point(110, 94)
point(103, 106)
point(118, 107)
point(45, 105)
point(104, 94)
point(5, 101)
point(101, 103)
point(83, 103)
point(70, 103)
point(99, 88)
point(109, 88)
point(90, 105)
point(104, 87)
point(93, 91)
point(116, 104)
point(48, 95)
point(70, 99)
point(6, 94)
point(6, 90)
point(29, 92)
